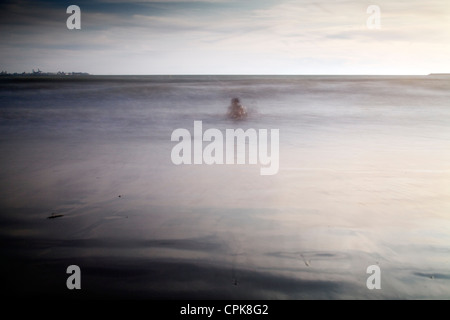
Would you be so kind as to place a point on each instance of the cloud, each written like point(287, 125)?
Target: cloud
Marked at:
point(275, 33)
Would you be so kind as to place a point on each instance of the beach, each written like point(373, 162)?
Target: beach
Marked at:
point(363, 179)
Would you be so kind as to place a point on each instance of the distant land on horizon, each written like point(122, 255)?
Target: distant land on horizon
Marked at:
point(40, 73)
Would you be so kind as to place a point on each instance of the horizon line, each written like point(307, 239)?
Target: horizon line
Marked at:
point(219, 74)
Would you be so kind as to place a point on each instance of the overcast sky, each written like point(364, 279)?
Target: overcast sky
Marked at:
point(226, 37)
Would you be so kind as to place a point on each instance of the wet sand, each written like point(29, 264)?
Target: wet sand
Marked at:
point(373, 191)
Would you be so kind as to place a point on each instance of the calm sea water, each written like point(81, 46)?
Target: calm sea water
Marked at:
point(364, 179)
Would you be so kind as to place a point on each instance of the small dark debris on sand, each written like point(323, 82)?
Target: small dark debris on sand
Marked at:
point(120, 196)
point(54, 215)
point(307, 262)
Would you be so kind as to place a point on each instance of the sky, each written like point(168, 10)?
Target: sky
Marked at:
point(226, 37)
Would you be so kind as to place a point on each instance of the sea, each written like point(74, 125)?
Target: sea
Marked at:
point(359, 207)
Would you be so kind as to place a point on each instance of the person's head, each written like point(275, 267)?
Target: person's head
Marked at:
point(235, 101)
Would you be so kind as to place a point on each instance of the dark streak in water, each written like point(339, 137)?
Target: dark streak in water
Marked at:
point(54, 215)
point(433, 275)
point(208, 243)
point(308, 255)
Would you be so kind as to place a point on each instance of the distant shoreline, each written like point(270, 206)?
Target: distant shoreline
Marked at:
point(39, 73)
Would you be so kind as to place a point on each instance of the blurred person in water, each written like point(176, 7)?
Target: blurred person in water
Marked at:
point(236, 110)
